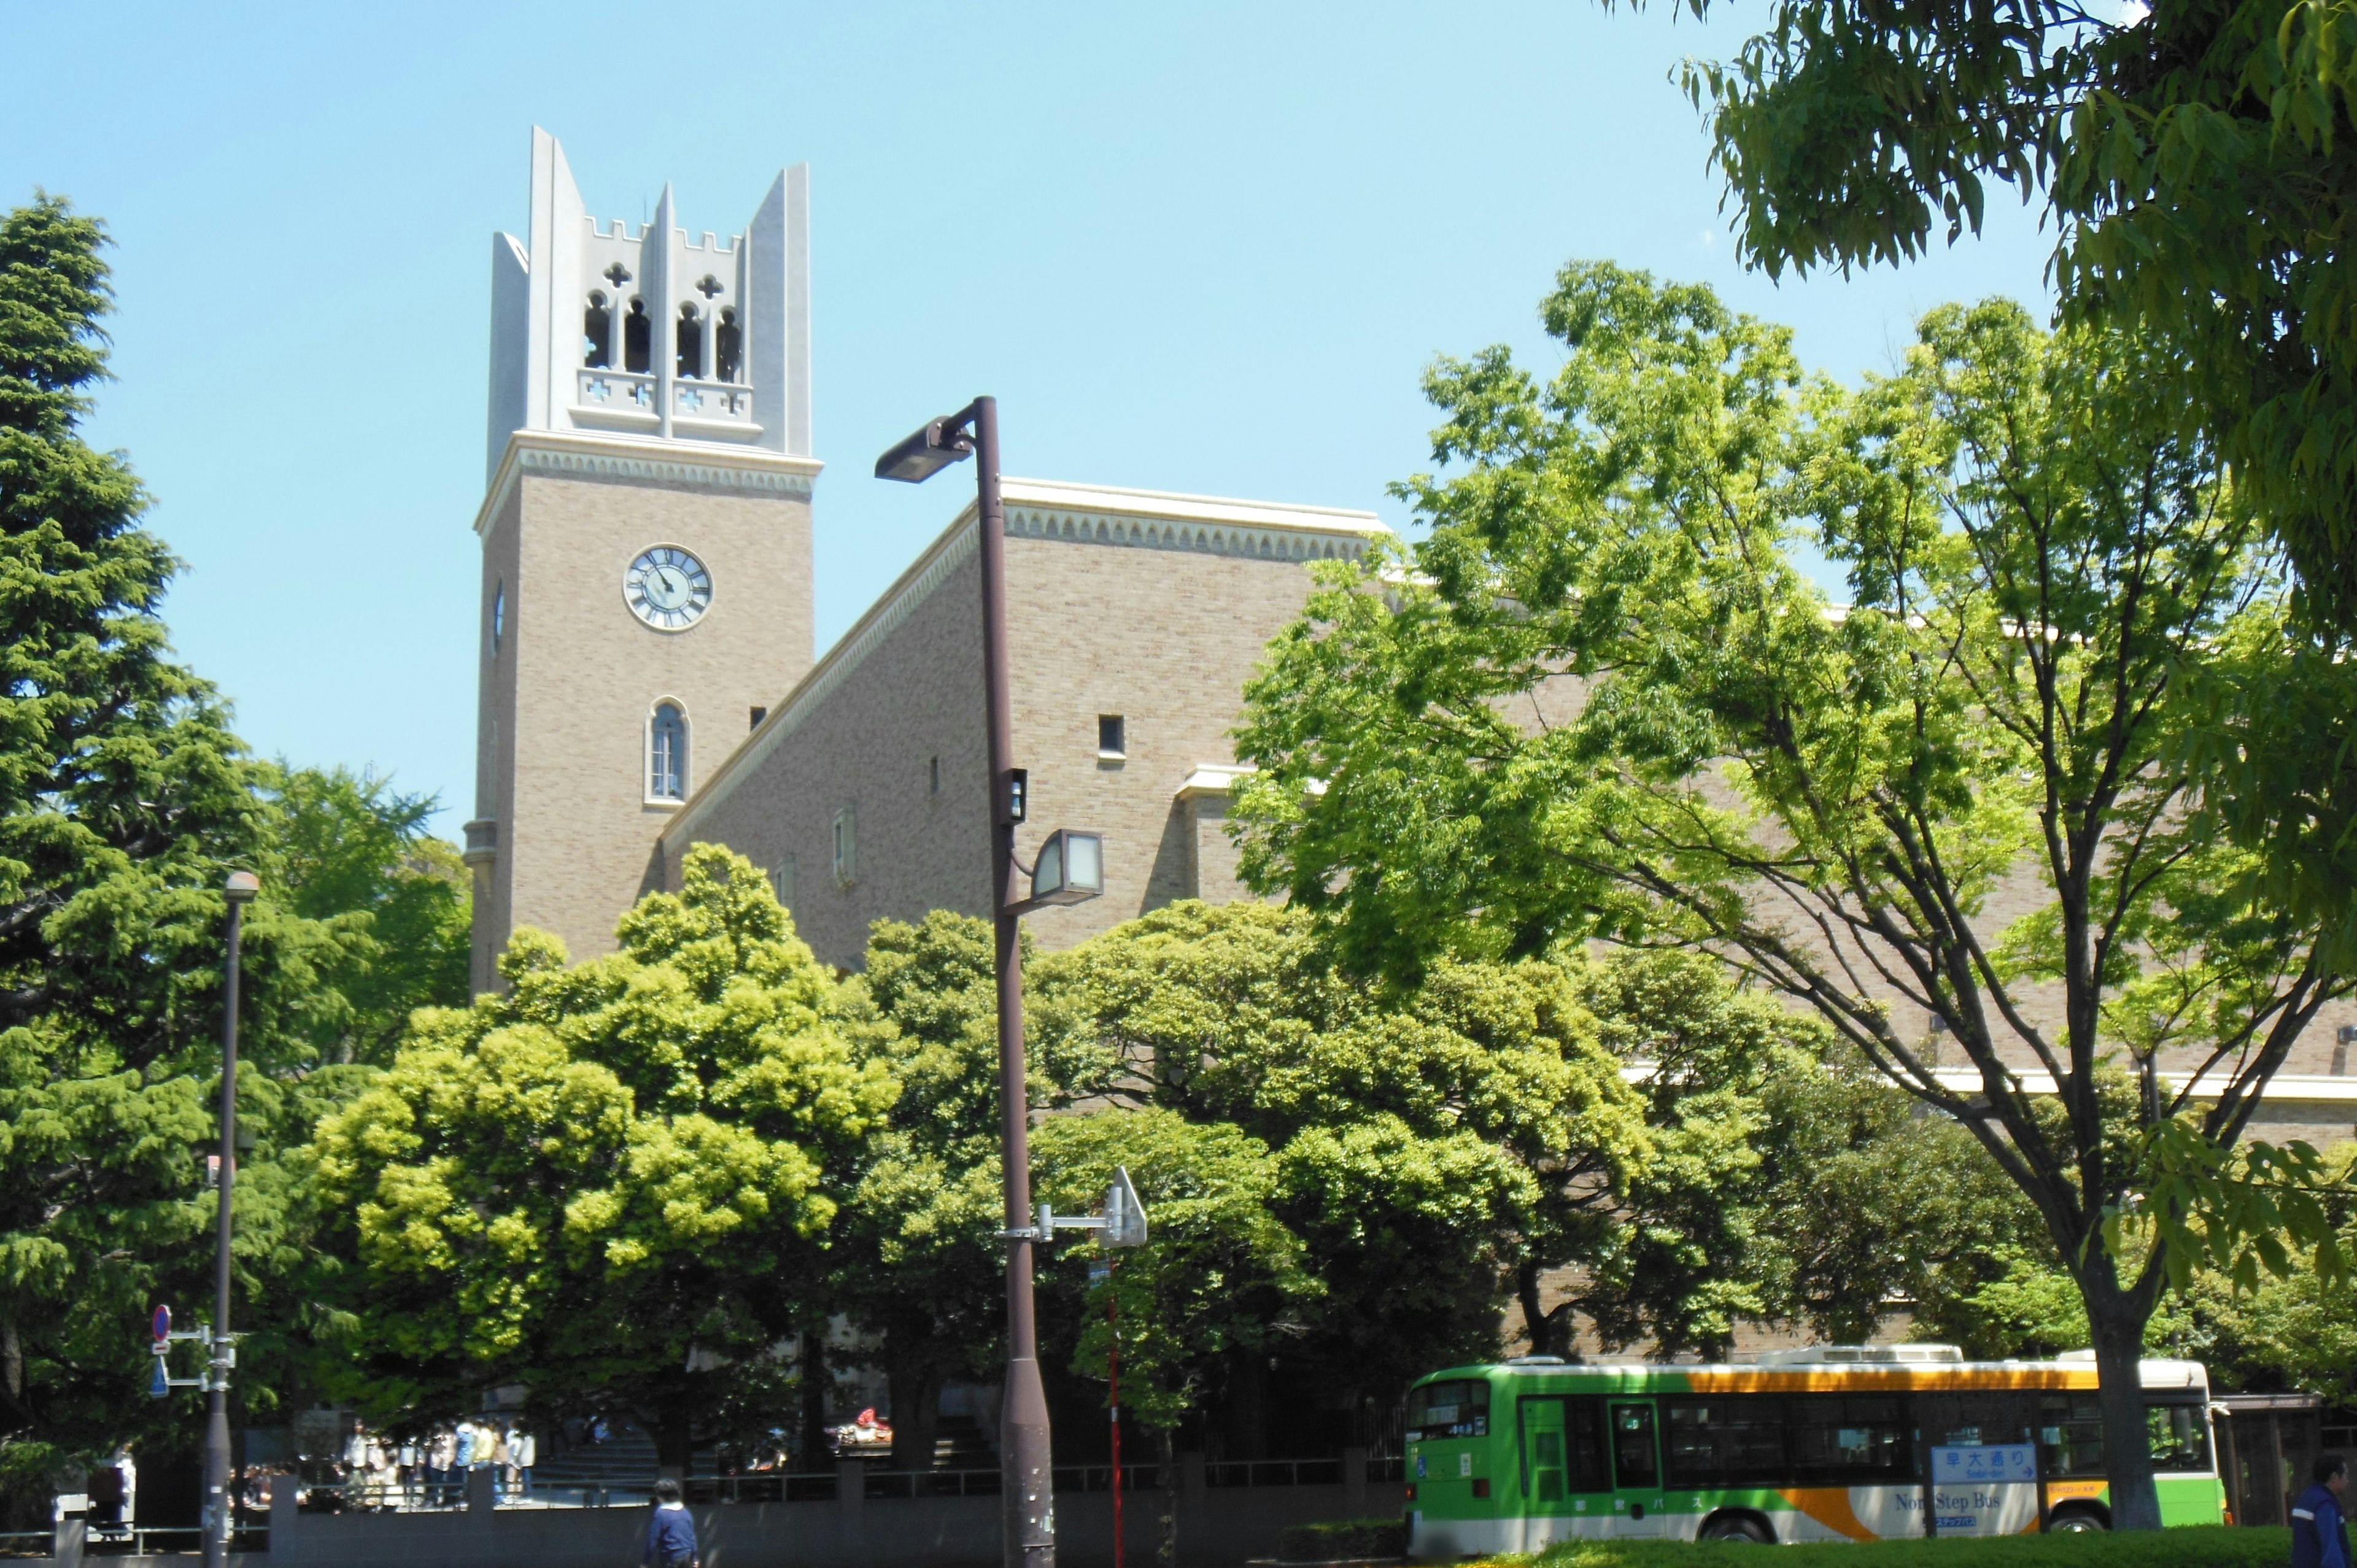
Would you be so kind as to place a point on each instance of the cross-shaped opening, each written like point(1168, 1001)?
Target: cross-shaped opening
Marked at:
point(707, 286)
point(618, 275)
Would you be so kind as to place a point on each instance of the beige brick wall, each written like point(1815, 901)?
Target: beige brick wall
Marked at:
point(576, 834)
point(1165, 637)
point(916, 695)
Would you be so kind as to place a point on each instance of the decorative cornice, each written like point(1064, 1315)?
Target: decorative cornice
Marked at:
point(1258, 543)
point(953, 549)
point(604, 457)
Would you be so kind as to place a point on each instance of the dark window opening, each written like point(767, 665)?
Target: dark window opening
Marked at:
point(597, 332)
point(1636, 1466)
point(638, 340)
point(1735, 1440)
point(691, 343)
point(934, 776)
point(759, 714)
point(729, 347)
point(1850, 1440)
point(1112, 735)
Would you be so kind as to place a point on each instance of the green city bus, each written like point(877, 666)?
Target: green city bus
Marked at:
point(1834, 1443)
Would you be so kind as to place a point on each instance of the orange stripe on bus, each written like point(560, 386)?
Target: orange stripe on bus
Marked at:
point(1843, 1380)
point(1829, 1507)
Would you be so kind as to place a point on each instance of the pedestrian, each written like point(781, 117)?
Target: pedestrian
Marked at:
point(522, 1452)
point(497, 1435)
point(671, 1532)
point(443, 1454)
point(2319, 1532)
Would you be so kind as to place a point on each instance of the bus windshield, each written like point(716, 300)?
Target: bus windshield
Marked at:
point(1457, 1408)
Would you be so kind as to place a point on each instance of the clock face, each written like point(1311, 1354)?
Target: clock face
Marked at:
point(667, 589)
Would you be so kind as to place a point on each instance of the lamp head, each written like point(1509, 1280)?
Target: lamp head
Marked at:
point(927, 452)
point(241, 887)
point(1070, 868)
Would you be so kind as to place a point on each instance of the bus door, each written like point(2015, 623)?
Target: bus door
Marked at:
point(1565, 1488)
point(1637, 1494)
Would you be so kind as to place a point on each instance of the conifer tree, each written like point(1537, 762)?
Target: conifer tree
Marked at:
point(125, 800)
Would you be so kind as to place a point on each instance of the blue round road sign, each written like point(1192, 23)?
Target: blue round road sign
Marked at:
point(163, 1324)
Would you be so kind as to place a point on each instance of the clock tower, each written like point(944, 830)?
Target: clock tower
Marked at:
point(646, 540)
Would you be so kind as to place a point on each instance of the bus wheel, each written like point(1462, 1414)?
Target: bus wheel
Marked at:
point(1737, 1527)
point(2076, 1521)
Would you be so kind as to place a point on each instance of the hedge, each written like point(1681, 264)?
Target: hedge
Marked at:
point(1341, 1540)
point(2191, 1546)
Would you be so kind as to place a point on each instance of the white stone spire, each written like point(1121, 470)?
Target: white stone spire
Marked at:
point(656, 335)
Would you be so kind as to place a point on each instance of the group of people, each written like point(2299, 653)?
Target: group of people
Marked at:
point(382, 1474)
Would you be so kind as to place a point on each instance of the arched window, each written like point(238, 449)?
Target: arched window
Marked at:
point(637, 339)
point(498, 616)
point(597, 332)
point(690, 342)
point(667, 754)
point(729, 347)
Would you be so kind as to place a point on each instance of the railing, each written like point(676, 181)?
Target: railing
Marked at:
point(1274, 1473)
point(617, 392)
point(151, 1540)
point(825, 1486)
point(25, 1542)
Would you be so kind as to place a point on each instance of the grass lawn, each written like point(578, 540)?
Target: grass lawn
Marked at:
point(2200, 1546)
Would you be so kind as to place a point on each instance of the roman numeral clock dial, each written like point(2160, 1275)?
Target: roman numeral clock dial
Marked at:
point(667, 589)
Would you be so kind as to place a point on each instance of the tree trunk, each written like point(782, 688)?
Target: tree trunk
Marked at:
point(672, 1426)
point(1166, 1455)
point(1535, 1322)
point(916, 1387)
point(1248, 1405)
point(2116, 1323)
point(810, 1453)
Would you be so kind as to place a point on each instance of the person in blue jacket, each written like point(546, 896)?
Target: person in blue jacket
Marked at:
point(2319, 1532)
point(671, 1533)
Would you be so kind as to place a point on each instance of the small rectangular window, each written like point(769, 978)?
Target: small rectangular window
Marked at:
point(1112, 739)
point(759, 714)
point(846, 847)
point(784, 879)
point(934, 776)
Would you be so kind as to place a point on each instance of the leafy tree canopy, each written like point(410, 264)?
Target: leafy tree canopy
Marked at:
point(1607, 703)
point(2194, 158)
point(613, 1181)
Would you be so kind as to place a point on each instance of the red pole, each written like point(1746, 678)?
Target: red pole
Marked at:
point(1112, 1376)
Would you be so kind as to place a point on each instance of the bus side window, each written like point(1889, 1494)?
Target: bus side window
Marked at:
point(1584, 1445)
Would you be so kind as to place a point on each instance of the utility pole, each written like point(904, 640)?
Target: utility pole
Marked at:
point(218, 1505)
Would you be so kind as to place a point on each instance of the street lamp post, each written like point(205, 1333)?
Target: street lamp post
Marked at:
point(239, 891)
point(1023, 1455)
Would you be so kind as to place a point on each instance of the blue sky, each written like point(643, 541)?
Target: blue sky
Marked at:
point(1199, 247)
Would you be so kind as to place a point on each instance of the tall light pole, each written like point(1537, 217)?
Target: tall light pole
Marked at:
point(1077, 873)
point(239, 891)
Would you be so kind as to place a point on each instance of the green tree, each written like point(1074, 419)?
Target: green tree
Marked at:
point(2039, 554)
point(614, 1181)
point(2193, 159)
point(125, 800)
point(920, 1261)
point(351, 850)
point(1431, 1143)
point(1221, 1282)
